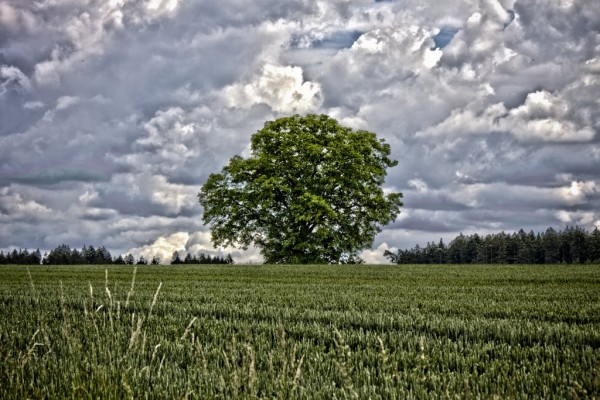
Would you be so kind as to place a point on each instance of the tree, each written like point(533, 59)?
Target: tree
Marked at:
point(129, 259)
point(175, 259)
point(89, 254)
point(457, 250)
point(155, 260)
point(573, 245)
point(551, 245)
point(440, 253)
point(310, 192)
point(103, 255)
point(61, 255)
point(119, 260)
point(36, 257)
point(594, 245)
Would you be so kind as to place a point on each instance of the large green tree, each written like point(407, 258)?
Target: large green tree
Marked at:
point(310, 192)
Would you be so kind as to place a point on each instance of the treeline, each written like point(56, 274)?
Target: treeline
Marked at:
point(200, 259)
point(23, 257)
point(574, 245)
point(65, 255)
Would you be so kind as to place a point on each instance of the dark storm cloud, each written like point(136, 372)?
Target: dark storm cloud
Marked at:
point(112, 116)
point(53, 176)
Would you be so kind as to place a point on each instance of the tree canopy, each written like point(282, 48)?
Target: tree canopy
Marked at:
point(310, 192)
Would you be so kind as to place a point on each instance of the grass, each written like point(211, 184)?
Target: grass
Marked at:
point(300, 332)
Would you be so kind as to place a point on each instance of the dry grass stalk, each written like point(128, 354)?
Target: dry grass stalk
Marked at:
point(187, 330)
point(298, 374)
point(154, 300)
point(130, 293)
point(31, 283)
point(136, 333)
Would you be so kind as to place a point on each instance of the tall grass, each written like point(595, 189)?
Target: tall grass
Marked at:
point(300, 332)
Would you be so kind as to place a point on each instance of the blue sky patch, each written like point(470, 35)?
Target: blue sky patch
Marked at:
point(337, 40)
point(445, 36)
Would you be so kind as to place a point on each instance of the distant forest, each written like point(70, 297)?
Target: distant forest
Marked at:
point(574, 245)
point(64, 255)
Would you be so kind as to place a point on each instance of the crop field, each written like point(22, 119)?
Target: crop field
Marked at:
point(300, 332)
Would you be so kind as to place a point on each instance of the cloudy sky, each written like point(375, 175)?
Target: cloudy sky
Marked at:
point(114, 112)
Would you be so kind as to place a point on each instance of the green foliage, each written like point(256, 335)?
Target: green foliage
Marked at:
point(574, 245)
point(200, 259)
point(309, 193)
point(64, 255)
point(23, 257)
point(304, 332)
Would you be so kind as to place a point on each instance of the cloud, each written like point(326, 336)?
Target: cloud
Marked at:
point(194, 244)
point(16, 19)
point(143, 194)
point(12, 78)
point(163, 247)
point(500, 195)
point(545, 117)
point(280, 87)
point(542, 117)
point(578, 192)
point(32, 105)
point(375, 256)
point(114, 116)
point(14, 207)
point(65, 102)
point(200, 242)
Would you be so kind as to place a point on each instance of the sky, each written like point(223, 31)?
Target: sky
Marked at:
point(114, 112)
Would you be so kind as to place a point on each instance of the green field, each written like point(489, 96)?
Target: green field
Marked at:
point(300, 332)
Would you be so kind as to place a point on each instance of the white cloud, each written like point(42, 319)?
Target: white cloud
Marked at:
point(158, 6)
point(375, 256)
point(542, 117)
point(501, 195)
point(32, 105)
point(418, 184)
point(581, 218)
point(85, 32)
point(432, 57)
point(85, 35)
point(65, 102)
point(17, 19)
point(88, 196)
point(173, 197)
point(578, 192)
point(14, 207)
point(171, 132)
point(467, 121)
point(193, 244)
point(163, 247)
point(155, 189)
point(200, 242)
point(282, 88)
point(545, 117)
point(593, 65)
point(12, 77)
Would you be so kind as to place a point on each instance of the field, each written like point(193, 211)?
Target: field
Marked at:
point(300, 332)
